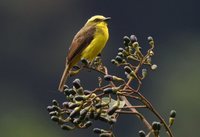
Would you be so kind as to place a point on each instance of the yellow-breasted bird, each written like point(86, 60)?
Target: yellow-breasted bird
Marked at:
point(87, 44)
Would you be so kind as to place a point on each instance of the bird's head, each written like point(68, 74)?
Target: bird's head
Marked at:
point(98, 19)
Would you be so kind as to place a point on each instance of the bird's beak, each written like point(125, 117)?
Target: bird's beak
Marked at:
point(107, 18)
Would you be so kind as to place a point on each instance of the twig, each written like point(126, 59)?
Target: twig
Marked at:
point(139, 106)
point(156, 113)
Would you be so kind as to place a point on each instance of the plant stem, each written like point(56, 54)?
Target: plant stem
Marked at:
point(139, 106)
point(136, 112)
point(150, 107)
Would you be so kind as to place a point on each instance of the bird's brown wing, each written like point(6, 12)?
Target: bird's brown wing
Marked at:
point(81, 40)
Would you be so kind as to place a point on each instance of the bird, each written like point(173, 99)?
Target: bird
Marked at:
point(86, 44)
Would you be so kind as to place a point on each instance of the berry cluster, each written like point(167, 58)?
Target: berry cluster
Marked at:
point(112, 98)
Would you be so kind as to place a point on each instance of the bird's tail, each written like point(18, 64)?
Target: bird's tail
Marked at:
point(64, 78)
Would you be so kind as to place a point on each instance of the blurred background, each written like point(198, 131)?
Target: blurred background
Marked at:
point(35, 36)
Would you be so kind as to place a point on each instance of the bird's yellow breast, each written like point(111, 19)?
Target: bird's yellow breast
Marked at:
point(98, 43)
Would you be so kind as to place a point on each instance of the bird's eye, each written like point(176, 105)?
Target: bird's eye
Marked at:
point(97, 20)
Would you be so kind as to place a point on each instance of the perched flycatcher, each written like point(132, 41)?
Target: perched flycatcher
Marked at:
point(87, 44)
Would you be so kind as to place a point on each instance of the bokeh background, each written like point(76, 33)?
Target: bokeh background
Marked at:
point(35, 36)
